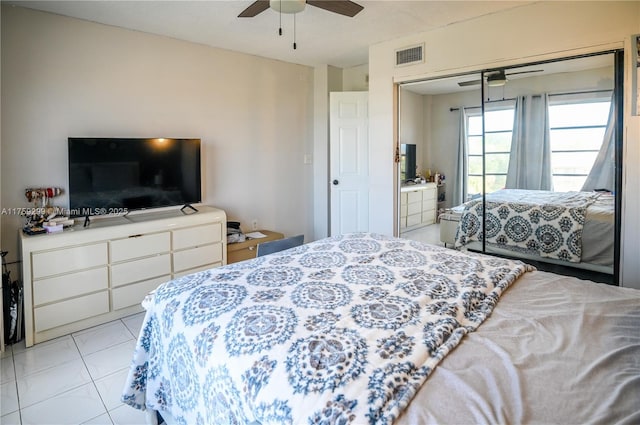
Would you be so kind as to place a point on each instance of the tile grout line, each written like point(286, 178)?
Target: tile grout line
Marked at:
point(93, 382)
point(107, 411)
point(15, 382)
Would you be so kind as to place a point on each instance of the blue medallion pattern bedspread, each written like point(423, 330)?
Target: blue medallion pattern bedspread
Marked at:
point(544, 223)
point(341, 330)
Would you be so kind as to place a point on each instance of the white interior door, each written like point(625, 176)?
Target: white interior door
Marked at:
point(349, 162)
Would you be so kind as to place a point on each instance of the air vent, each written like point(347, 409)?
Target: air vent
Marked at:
point(410, 55)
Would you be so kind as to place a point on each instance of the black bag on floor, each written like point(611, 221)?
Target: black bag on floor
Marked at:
point(11, 306)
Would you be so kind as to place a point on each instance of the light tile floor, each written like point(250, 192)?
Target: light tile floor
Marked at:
point(75, 379)
point(428, 234)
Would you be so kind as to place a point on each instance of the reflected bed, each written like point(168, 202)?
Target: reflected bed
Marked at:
point(573, 229)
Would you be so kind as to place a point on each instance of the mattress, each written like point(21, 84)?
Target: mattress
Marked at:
point(366, 328)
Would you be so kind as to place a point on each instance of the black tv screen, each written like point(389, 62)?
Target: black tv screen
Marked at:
point(408, 165)
point(115, 176)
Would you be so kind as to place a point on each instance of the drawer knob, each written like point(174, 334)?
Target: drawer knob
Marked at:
point(251, 248)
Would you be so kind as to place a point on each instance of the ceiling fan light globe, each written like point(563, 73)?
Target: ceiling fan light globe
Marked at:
point(496, 83)
point(287, 6)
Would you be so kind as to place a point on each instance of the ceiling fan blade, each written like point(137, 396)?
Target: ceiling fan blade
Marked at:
point(469, 83)
point(255, 8)
point(342, 7)
point(525, 72)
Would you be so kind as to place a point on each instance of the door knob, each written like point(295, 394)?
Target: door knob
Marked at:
point(335, 182)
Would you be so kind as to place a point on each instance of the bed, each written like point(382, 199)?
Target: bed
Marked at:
point(567, 228)
point(365, 328)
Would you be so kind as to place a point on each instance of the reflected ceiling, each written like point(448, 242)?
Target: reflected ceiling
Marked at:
point(451, 84)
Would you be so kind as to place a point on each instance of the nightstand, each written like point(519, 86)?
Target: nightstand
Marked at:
point(246, 250)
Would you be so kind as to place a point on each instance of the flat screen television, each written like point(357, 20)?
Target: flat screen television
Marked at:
point(407, 162)
point(118, 175)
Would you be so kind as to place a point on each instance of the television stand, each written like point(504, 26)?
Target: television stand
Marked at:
point(189, 206)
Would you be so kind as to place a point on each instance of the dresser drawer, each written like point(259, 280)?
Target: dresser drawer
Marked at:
point(429, 217)
point(429, 204)
point(62, 313)
point(195, 257)
point(414, 209)
point(241, 254)
point(50, 263)
point(196, 236)
point(126, 296)
point(415, 196)
point(146, 268)
point(429, 194)
point(139, 246)
point(70, 285)
point(414, 219)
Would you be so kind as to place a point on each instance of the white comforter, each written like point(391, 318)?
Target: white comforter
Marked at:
point(344, 329)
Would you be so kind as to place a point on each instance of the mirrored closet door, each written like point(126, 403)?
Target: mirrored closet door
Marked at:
point(525, 162)
point(430, 144)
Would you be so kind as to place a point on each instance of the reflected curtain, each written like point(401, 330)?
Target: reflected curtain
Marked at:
point(460, 182)
point(530, 159)
point(602, 173)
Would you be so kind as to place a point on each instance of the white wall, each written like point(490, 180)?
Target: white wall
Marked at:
point(65, 77)
point(411, 125)
point(356, 78)
point(502, 39)
point(443, 134)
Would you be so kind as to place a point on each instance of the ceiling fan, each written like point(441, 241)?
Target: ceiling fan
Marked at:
point(342, 7)
point(497, 78)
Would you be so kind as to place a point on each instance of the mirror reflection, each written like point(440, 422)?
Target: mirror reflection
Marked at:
point(529, 159)
point(408, 170)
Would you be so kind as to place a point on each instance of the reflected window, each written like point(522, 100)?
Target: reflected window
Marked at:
point(498, 130)
point(577, 128)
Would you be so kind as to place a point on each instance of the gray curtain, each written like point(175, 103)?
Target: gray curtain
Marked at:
point(460, 177)
point(601, 175)
point(530, 159)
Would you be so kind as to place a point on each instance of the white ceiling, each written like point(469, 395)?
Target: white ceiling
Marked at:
point(322, 37)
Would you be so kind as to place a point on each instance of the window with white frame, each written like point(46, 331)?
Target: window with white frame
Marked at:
point(577, 125)
point(498, 123)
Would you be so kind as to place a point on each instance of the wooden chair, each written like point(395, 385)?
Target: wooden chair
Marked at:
point(279, 245)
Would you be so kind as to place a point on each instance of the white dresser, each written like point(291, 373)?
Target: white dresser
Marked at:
point(417, 205)
point(86, 276)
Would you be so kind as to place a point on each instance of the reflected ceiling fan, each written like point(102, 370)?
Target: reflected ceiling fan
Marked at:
point(496, 78)
point(341, 7)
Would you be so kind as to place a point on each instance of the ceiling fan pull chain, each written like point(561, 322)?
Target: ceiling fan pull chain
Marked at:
point(294, 32)
point(280, 16)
